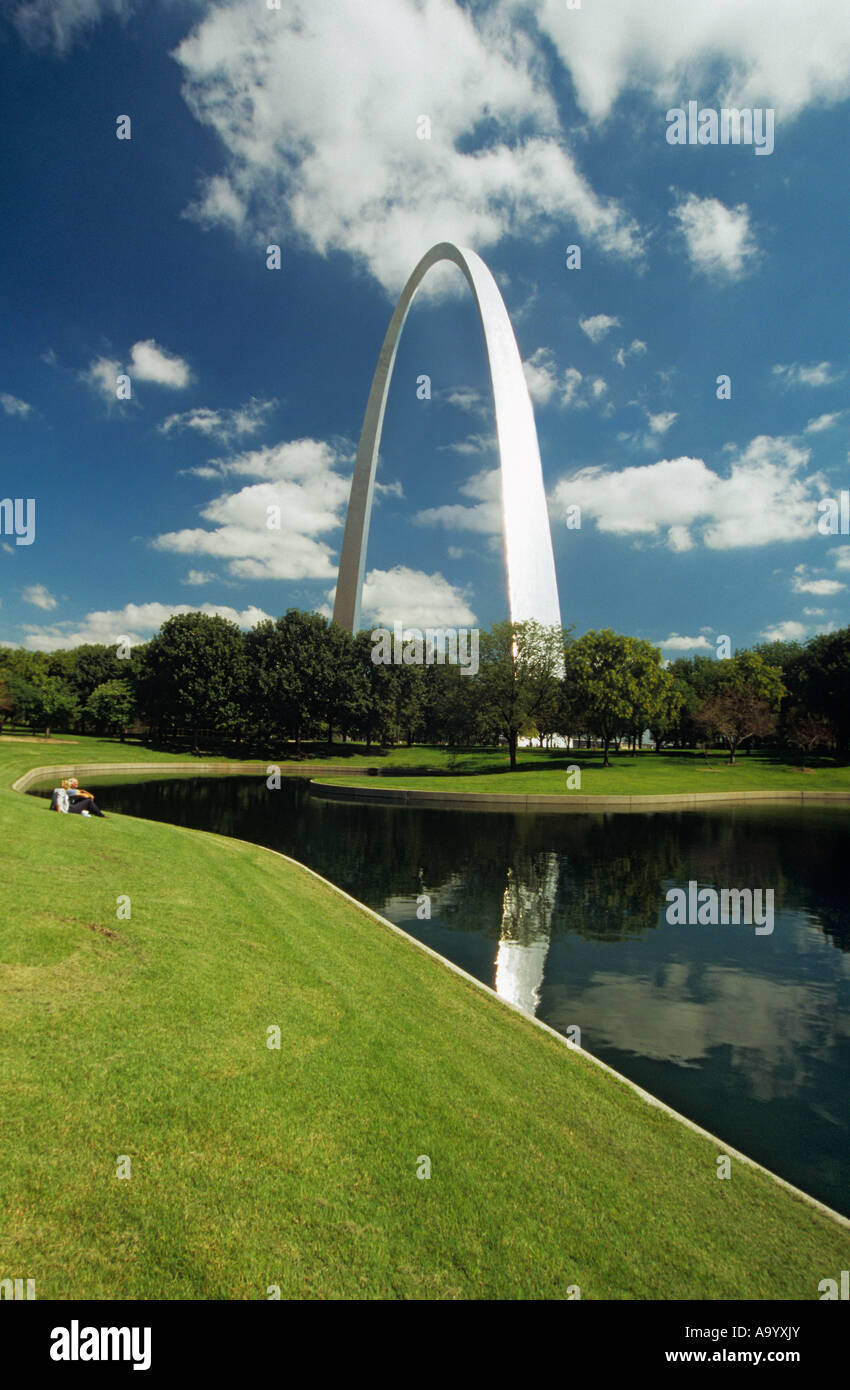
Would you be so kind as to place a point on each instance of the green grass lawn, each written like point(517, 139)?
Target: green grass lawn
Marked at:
point(645, 774)
point(252, 1167)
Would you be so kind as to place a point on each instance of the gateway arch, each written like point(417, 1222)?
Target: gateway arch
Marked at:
point(529, 562)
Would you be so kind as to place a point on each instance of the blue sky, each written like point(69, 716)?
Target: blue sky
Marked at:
point(251, 126)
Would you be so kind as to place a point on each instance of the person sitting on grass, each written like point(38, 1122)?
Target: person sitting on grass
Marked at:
point(81, 802)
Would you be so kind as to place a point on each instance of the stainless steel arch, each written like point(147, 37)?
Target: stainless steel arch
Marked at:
point(530, 564)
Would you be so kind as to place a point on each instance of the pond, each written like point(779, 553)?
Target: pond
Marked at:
point(745, 1032)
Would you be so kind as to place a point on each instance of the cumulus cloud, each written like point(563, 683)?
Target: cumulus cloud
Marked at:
point(271, 529)
point(13, 405)
point(729, 53)
point(675, 643)
point(198, 577)
point(38, 595)
point(484, 517)
point(803, 583)
point(338, 165)
point(597, 326)
point(816, 374)
point(763, 498)
point(218, 205)
point(841, 556)
point(570, 389)
point(222, 425)
point(465, 398)
point(413, 598)
point(150, 362)
point(719, 240)
point(660, 423)
point(135, 621)
point(789, 631)
point(101, 375)
point(541, 375)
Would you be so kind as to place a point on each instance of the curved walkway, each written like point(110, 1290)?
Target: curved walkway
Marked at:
point(518, 801)
point(203, 769)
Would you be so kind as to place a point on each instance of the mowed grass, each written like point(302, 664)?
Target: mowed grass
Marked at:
point(541, 773)
point(297, 1167)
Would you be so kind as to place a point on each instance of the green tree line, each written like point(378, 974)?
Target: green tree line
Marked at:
point(204, 681)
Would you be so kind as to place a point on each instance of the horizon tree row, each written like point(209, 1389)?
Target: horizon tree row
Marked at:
point(299, 677)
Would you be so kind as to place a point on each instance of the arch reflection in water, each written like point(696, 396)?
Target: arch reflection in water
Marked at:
point(526, 932)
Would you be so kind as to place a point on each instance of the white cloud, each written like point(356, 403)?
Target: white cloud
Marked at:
point(660, 424)
point(571, 390)
point(817, 374)
point(788, 56)
point(465, 398)
point(222, 425)
point(218, 205)
point(541, 375)
point(679, 539)
point(789, 631)
point(101, 375)
point(135, 621)
point(337, 164)
point(393, 489)
point(718, 239)
point(823, 422)
point(13, 405)
point(675, 643)
point(150, 362)
point(300, 481)
point(762, 500)
point(485, 517)
point(841, 555)
point(597, 326)
point(472, 444)
point(413, 598)
point(821, 588)
point(198, 577)
point(38, 595)
point(636, 348)
point(57, 23)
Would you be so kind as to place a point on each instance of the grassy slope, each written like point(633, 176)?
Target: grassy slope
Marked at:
point(298, 1167)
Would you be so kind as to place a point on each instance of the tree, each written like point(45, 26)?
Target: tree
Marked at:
point(7, 701)
point(342, 690)
point(86, 667)
point(651, 688)
point(193, 675)
point(820, 681)
point(520, 667)
point(111, 707)
point(668, 711)
point(43, 702)
point(735, 715)
point(615, 683)
point(808, 732)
